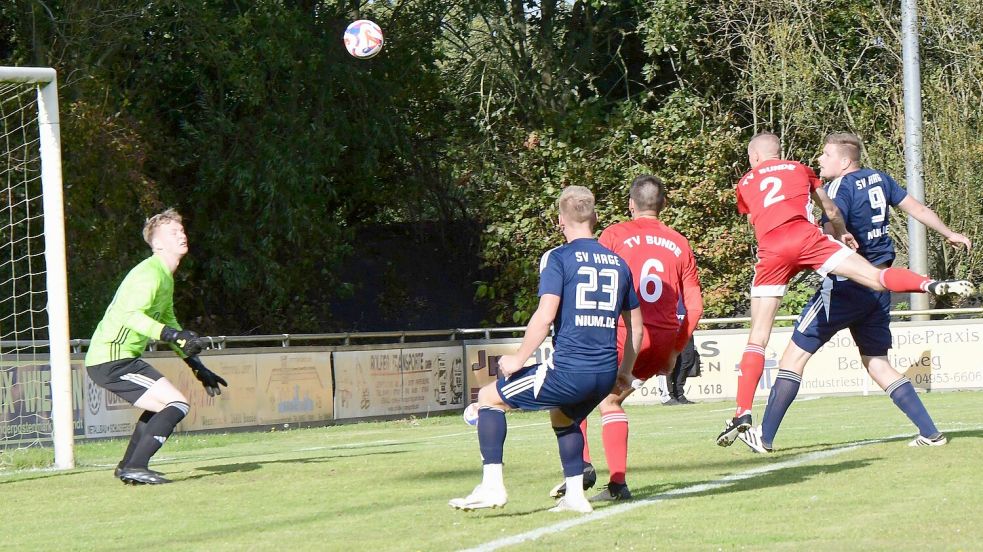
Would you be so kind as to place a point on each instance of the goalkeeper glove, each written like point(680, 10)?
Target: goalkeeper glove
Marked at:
point(185, 339)
point(210, 380)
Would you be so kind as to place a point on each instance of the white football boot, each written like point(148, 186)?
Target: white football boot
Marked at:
point(568, 503)
point(752, 438)
point(926, 442)
point(480, 498)
point(962, 288)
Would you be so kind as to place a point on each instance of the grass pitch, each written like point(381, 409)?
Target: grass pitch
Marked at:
point(385, 486)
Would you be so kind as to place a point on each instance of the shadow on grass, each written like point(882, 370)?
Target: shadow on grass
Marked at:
point(241, 467)
point(215, 470)
point(175, 462)
point(777, 478)
point(48, 475)
point(951, 435)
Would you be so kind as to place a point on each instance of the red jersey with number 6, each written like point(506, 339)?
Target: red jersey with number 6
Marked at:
point(776, 192)
point(664, 268)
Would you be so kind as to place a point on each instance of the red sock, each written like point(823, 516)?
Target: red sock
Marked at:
point(902, 280)
point(583, 429)
point(752, 365)
point(614, 432)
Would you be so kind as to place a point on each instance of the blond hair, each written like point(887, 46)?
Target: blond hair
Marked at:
point(156, 221)
point(848, 143)
point(576, 204)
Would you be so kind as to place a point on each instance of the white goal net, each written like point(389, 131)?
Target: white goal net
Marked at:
point(35, 371)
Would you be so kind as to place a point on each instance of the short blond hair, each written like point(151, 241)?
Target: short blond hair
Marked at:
point(156, 221)
point(576, 204)
point(848, 143)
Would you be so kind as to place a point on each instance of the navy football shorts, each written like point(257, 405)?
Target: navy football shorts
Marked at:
point(539, 387)
point(840, 304)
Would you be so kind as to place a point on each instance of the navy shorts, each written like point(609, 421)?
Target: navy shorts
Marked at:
point(840, 304)
point(128, 378)
point(539, 387)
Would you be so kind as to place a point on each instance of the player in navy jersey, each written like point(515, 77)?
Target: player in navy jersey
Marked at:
point(775, 194)
point(583, 289)
point(864, 197)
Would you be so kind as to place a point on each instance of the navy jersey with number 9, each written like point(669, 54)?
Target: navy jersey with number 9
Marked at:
point(594, 286)
point(865, 197)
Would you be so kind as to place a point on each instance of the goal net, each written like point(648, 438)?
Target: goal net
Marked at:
point(35, 368)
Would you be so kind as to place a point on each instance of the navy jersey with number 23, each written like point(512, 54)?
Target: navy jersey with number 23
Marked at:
point(594, 286)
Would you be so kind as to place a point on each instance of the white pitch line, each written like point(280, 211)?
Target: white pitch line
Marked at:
point(693, 489)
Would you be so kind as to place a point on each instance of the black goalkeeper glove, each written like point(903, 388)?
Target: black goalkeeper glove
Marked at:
point(210, 380)
point(185, 339)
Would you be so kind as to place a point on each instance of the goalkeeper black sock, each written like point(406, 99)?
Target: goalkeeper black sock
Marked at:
point(138, 431)
point(157, 430)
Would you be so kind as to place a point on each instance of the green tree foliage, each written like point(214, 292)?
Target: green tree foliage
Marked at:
point(249, 117)
point(684, 142)
point(253, 121)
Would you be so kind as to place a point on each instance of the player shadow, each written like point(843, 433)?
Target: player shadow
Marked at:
point(7, 480)
point(243, 467)
point(167, 463)
point(777, 478)
point(815, 447)
point(468, 473)
point(667, 467)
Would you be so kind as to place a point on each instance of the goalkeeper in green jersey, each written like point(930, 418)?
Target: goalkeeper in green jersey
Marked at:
point(143, 308)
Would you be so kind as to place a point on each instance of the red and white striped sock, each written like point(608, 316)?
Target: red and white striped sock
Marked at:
point(752, 365)
point(583, 429)
point(902, 280)
point(614, 432)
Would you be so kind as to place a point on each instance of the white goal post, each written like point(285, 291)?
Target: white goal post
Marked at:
point(56, 286)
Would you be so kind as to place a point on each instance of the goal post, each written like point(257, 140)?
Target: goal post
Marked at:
point(48, 139)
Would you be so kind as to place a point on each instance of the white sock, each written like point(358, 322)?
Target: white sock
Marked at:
point(492, 476)
point(575, 487)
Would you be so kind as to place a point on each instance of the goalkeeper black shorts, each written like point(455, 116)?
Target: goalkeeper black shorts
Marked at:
point(128, 378)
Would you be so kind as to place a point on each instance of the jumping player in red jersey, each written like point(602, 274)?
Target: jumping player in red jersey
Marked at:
point(664, 268)
point(775, 195)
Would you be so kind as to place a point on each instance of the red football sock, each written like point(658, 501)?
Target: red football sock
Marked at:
point(902, 280)
point(583, 429)
point(752, 365)
point(614, 432)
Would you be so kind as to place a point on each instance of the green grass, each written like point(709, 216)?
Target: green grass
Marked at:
point(385, 486)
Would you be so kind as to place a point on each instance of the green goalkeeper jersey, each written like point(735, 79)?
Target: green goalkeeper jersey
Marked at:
point(142, 306)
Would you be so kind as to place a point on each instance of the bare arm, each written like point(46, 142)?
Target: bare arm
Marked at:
point(536, 331)
point(835, 218)
point(633, 342)
point(692, 302)
point(928, 217)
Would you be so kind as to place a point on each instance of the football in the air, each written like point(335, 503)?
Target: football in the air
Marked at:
point(363, 39)
point(471, 414)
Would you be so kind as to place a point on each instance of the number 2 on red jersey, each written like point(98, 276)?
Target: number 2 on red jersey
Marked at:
point(775, 185)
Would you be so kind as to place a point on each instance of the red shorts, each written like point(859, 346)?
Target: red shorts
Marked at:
point(653, 358)
point(790, 248)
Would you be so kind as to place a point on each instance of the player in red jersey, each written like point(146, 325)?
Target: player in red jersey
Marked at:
point(775, 195)
point(663, 267)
